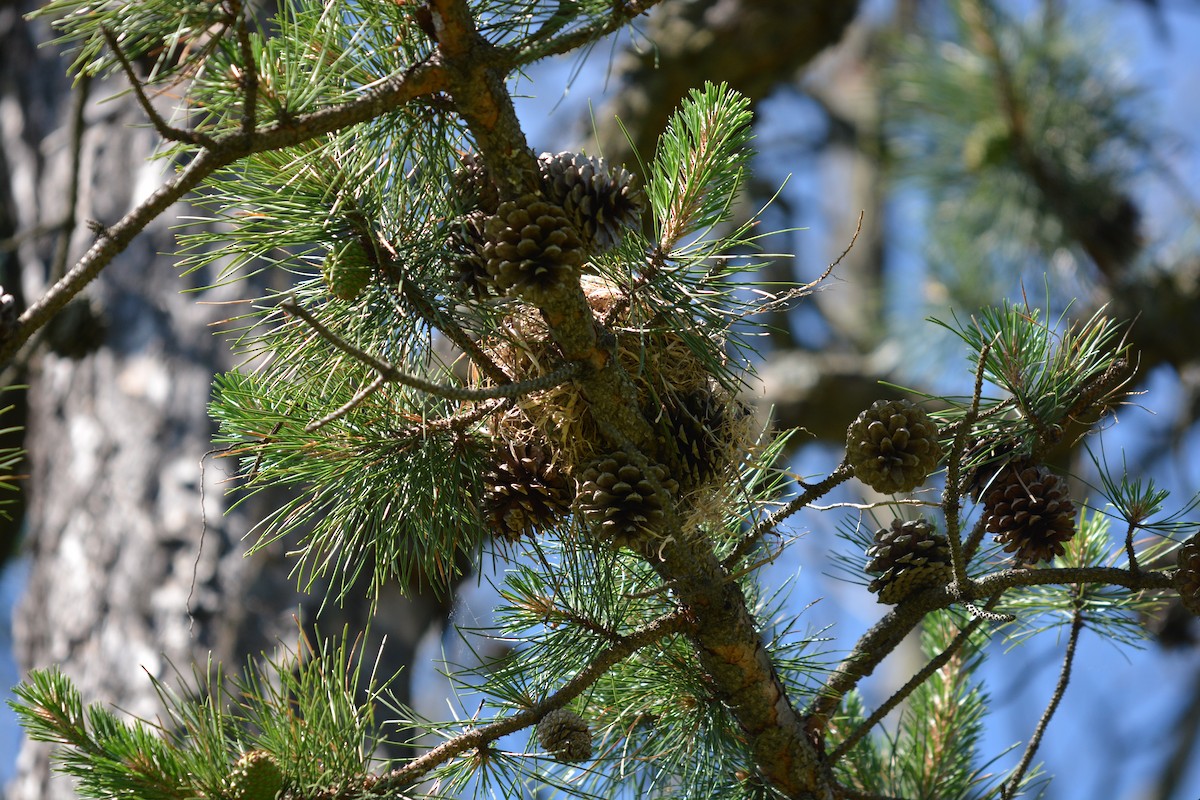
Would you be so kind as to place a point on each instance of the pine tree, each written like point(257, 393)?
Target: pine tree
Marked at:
point(588, 431)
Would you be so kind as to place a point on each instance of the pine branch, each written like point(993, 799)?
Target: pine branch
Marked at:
point(391, 374)
point(453, 331)
point(165, 129)
point(909, 687)
point(401, 778)
point(1060, 689)
point(874, 645)
point(539, 46)
point(812, 492)
point(224, 150)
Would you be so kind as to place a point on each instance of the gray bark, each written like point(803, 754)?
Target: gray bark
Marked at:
point(124, 579)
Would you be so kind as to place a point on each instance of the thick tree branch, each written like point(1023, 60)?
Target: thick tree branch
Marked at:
point(882, 638)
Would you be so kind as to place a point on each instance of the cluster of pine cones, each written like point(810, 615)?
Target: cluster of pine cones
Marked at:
point(621, 496)
point(528, 248)
point(531, 245)
point(893, 447)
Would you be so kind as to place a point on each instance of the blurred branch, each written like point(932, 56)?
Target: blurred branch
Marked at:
point(752, 46)
point(1182, 756)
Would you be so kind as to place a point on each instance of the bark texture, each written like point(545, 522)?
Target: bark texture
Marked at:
point(124, 579)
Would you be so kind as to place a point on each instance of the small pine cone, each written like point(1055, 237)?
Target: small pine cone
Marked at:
point(531, 248)
point(599, 199)
point(697, 429)
point(619, 501)
point(1029, 511)
point(565, 735)
point(907, 557)
point(347, 270)
point(1187, 577)
point(465, 244)
point(893, 446)
point(255, 776)
point(471, 188)
point(524, 492)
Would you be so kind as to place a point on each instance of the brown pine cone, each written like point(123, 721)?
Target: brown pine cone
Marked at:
point(908, 556)
point(525, 492)
point(618, 500)
point(1187, 577)
point(531, 248)
point(565, 735)
point(599, 199)
point(1028, 509)
point(893, 446)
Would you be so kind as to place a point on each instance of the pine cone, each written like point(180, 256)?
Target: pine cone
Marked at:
point(525, 492)
point(1187, 577)
point(1028, 509)
point(600, 200)
point(531, 248)
point(565, 735)
point(465, 243)
point(893, 446)
point(347, 270)
point(617, 499)
point(696, 432)
point(255, 776)
point(907, 557)
point(471, 187)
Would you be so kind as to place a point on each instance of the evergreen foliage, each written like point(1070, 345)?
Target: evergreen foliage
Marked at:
point(381, 406)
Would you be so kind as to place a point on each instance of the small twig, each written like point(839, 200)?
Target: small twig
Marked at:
point(1133, 562)
point(1064, 677)
point(811, 493)
point(476, 738)
point(452, 331)
point(974, 539)
point(871, 648)
point(872, 506)
point(936, 663)
point(952, 496)
point(882, 638)
point(164, 128)
point(393, 375)
point(1113, 576)
point(249, 76)
point(62, 249)
point(419, 80)
point(351, 404)
point(532, 48)
point(780, 301)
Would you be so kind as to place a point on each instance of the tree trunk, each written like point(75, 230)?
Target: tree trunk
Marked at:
point(136, 566)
